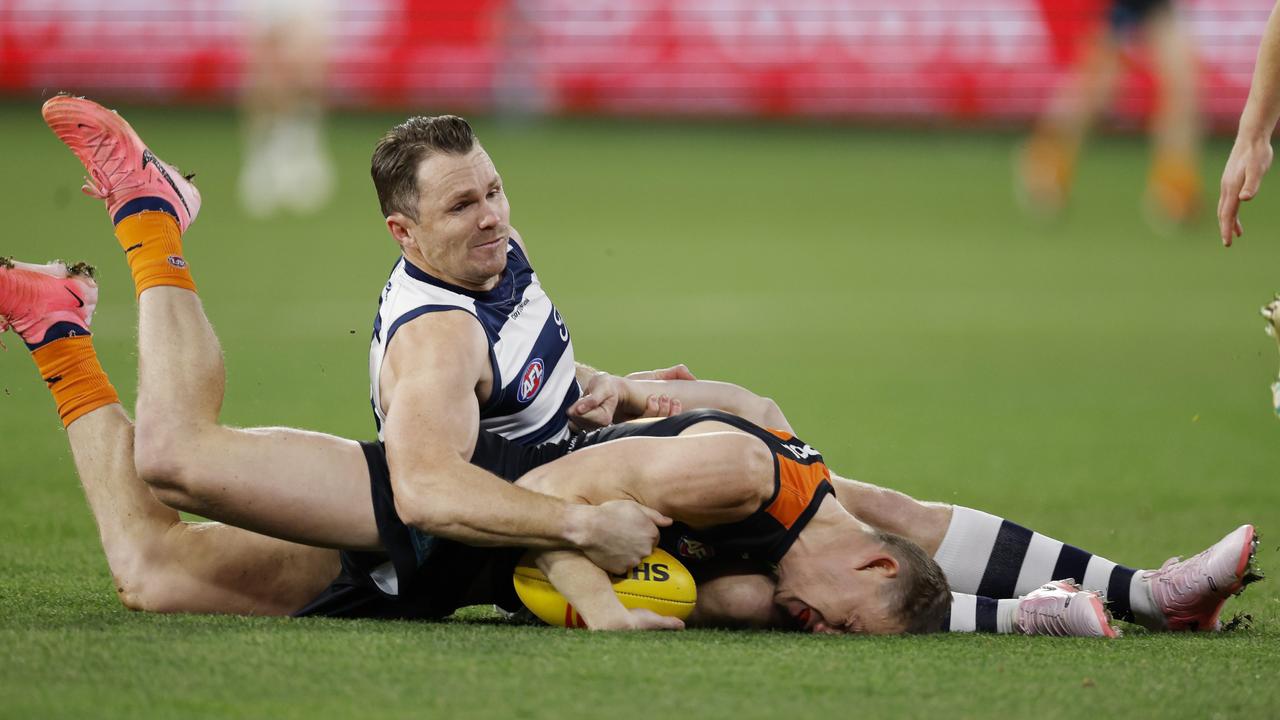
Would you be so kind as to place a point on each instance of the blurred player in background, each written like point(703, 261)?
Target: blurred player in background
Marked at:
point(286, 164)
point(1046, 166)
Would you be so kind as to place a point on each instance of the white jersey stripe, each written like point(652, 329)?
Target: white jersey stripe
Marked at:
point(530, 350)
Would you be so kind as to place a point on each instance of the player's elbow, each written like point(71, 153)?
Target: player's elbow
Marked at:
point(767, 414)
point(890, 510)
point(425, 511)
point(750, 464)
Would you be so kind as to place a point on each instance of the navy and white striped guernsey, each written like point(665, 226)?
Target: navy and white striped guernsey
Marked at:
point(529, 346)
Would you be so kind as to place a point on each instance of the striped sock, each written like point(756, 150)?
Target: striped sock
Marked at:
point(971, 613)
point(994, 558)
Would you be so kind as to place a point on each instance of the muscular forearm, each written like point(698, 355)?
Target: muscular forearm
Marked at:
point(1263, 106)
point(696, 394)
point(461, 502)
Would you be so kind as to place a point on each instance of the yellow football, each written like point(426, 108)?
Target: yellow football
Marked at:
point(659, 583)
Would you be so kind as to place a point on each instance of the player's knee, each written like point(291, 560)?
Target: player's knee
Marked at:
point(144, 585)
point(167, 460)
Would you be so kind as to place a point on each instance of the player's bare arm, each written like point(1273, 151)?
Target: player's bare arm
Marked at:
point(1251, 155)
point(924, 523)
point(711, 474)
point(591, 593)
point(608, 398)
point(648, 396)
point(434, 372)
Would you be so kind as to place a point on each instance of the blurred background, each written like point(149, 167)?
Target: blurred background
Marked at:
point(981, 61)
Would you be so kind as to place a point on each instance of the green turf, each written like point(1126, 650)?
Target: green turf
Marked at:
point(1095, 380)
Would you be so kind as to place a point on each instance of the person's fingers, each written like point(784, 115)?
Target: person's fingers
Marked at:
point(678, 372)
point(675, 372)
point(670, 623)
point(586, 404)
point(658, 518)
point(644, 619)
point(1228, 207)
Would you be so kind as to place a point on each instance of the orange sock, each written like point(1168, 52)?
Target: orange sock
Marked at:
point(153, 246)
point(75, 377)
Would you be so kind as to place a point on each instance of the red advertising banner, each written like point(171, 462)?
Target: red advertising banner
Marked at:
point(978, 60)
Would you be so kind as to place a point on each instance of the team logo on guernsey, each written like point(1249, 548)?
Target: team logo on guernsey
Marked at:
point(690, 548)
point(802, 453)
point(530, 380)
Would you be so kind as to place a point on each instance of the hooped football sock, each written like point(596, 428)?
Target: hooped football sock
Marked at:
point(992, 557)
point(152, 244)
point(71, 369)
point(971, 613)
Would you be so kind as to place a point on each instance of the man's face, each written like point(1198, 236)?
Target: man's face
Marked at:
point(841, 595)
point(464, 220)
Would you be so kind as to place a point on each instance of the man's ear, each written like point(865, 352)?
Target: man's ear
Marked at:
point(882, 563)
point(398, 225)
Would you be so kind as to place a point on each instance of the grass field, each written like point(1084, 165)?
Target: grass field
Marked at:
point(1094, 380)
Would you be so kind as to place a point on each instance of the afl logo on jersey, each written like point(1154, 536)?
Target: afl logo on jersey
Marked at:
point(694, 550)
point(530, 381)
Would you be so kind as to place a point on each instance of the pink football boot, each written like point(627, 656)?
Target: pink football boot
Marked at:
point(121, 168)
point(35, 298)
point(1191, 592)
point(1062, 609)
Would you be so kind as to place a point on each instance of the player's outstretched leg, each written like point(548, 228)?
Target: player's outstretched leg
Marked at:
point(1173, 185)
point(1046, 164)
point(300, 486)
point(998, 561)
point(1060, 609)
point(158, 563)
